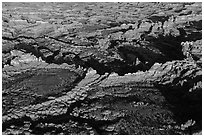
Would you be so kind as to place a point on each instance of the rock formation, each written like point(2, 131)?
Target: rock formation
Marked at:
point(102, 68)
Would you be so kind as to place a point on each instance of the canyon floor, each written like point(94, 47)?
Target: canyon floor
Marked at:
point(101, 68)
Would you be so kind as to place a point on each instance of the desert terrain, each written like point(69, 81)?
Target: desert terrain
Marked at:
point(101, 68)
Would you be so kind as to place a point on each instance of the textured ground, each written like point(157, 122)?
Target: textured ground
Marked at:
point(102, 68)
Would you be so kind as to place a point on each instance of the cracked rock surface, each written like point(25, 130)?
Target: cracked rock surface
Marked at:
point(101, 68)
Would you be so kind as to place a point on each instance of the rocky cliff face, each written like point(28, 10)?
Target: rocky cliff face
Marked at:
point(102, 68)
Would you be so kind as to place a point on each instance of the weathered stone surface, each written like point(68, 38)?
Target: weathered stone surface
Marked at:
point(193, 50)
point(102, 68)
point(36, 86)
point(141, 102)
point(155, 31)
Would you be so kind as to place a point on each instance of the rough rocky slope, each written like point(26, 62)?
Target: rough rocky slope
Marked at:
point(102, 68)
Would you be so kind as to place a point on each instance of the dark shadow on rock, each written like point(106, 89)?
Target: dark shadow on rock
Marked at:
point(185, 106)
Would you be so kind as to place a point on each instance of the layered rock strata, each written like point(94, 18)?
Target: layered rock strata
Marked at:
point(102, 68)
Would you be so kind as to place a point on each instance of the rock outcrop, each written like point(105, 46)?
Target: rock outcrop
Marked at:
point(102, 68)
